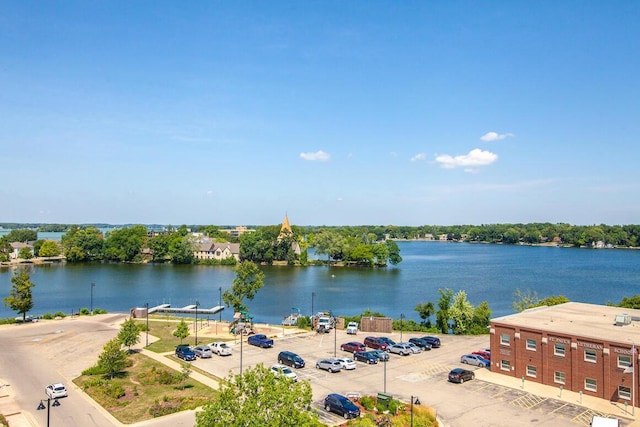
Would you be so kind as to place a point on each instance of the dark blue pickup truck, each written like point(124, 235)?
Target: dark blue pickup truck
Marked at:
point(260, 340)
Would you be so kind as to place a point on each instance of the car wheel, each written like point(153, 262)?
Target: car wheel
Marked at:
point(280, 361)
point(473, 376)
point(461, 380)
point(346, 415)
point(327, 408)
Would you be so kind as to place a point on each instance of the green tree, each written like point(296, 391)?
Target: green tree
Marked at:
point(630, 302)
point(523, 300)
point(394, 252)
point(181, 248)
point(25, 253)
point(20, 298)
point(461, 312)
point(444, 303)
point(425, 311)
point(82, 245)
point(182, 331)
point(126, 244)
point(49, 248)
point(249, 279)
point(259, 398)
point(552, 300)
point(22, 235)
point(481, 319)
point(112, 359)
point(129, 333)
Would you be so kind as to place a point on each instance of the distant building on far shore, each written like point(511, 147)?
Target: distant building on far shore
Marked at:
point(237, 231)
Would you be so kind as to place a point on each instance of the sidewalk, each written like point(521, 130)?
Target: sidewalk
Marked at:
point(604, 406)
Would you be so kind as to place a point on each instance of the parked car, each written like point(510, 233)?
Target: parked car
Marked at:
point(475, 360)
point(365, 356)
point(352, 328)
point(203, 351)
point(375, 342)
point(401, 349)
point(434, 341)
point(381, 355)
point(347, 363)
point(423, 344)
point(341, 405)
point(388, 340)
point(290, 359)
point(220, 348)
point(414, 348)
point(184, 352)
point(353, 347)
point(260, 340)
point(482, 353)
point(459, 375)
point(331, 365)
point(284, 371)
point(56, 390)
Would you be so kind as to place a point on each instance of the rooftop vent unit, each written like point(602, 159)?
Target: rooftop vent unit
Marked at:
point(623, 319)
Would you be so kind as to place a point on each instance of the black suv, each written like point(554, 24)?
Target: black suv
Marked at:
point(434, 341)
point(183, 351)
point(341, 405)
point(290, 359)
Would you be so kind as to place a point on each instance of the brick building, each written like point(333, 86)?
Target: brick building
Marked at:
point(580, 347)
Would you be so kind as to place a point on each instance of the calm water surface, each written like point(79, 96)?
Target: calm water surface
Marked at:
point(486, 272)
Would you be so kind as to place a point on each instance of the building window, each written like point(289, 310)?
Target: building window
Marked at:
point(531, 344)
point(504, 339)
point(624, 392)
point(532, 371)
point(590, 384)
point(559, 377)
point(590, 356)
point(624, 361)
point(558, 349)
point(505, 365)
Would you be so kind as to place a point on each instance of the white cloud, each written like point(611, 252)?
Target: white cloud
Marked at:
point(476, 157)
point(318, 155)
point(418, 157)
point(493, 136)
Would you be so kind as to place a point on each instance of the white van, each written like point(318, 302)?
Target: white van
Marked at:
point(604, 422)
point(324, 323)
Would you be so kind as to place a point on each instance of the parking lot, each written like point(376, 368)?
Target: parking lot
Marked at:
point(424, 375)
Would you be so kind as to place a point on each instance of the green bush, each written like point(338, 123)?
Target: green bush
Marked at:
point(94, 370)
point(368, 402)
point(47, 316)
point(84, 311)
point(59, 314)
point(114, 390)
point(394, 405)
point(99, 311)
point(7, 321)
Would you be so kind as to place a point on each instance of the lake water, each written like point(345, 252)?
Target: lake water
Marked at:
point(486, 272)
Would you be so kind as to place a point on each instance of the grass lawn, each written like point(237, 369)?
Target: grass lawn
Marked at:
point(163, 329)
point(145, 390)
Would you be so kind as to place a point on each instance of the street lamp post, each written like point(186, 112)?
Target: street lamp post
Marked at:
point(93, 285)
point(220, 303)
point(197, 304)
point(313, 295)
point(49, 404)
point(384, 389)
point(401, 318)
point(147, 313)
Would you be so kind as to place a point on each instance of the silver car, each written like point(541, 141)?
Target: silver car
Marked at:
point(203, 351)
point(401, 349)
point(414, 348)
point(331, 365)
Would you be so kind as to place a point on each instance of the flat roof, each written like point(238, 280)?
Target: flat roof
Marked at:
point(578, 319)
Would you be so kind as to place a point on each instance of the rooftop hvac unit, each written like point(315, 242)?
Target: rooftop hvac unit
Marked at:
point(623, 319)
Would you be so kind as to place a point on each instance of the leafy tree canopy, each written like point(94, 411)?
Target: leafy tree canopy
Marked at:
point(20, 299)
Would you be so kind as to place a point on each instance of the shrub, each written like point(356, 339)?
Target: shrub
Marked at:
point(59, 314)
point(47, 316)
point(368, 402)
point(84, 311)
point(114, 390)
point(394, 405)
point(94, 370)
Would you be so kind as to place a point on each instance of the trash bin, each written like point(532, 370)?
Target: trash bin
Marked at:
point(384, 399)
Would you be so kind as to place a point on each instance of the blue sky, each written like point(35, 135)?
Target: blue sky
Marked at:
point(336, 113)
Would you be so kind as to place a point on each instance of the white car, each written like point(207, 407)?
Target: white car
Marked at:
point(56, 390)
point(347, 363)
point(220, 348)
point(284, 371)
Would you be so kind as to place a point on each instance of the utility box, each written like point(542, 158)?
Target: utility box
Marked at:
point(604, 422)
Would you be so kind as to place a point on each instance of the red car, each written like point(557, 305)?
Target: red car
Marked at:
point(353, 347)
point(483, 353)
point(376, 342)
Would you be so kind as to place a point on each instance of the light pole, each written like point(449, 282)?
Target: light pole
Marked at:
point(313, 295)
point(196, 326)
point(49, 404)
point(220, 304)
point(401, 318)
point(384, 389)
point(417, 402)
point(93, 285)
point(147, 312)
